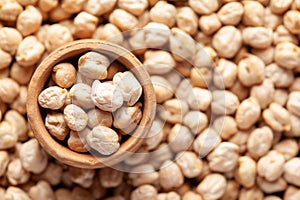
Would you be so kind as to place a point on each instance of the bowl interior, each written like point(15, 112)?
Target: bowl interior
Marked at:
point(42, 74)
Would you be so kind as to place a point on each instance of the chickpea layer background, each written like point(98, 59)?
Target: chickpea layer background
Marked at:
point(234, 135)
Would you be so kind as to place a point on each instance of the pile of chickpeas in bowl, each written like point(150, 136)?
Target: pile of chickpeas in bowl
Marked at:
point(227, 126)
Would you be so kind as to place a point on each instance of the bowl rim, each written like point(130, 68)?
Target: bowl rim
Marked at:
point(38, 81)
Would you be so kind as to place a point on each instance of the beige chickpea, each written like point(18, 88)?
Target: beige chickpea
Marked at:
point(21, 74)
point(241, 91)
point(224, 157)
point(57, 35)
point(72, 6)
point(85, 24)
point(162, 88)
point(10, 39)
point(204, 57)
point(224, 102)
point(16, 173)
point(140, 157)
point(287, 147)
point(129, 85)
point(143, 174)
point(108, 32)
point(277, 117)
point(280, 96)
point(251, 193)
point(291, 174)
point(170, 175)
point(75, 117)
point(247, 113)
point(64, 75)
point(77, 140)
point(81, 193)
point(259, 142)
point(189, 163)
point(271, 20)
point(232, 190)
point(287, 55)
point(187, 20)
point(158, 62)
point(80, 95)
point(110, 178)
point(27, 2)
point(190, 195)
point(196, 121)
point(9, 90)
point(4, 161)
point(203, 39)
point(253, 13)
point(226, 126)
point(137, 41)
point(103, 139)
point(212, 186)
point(173, 110)
point(33, 158)
point(47, 5)
point(52, 174)
point(127, 118)
point(293, 105)
point(206, 142)
point(209, 23)
point(291, 21)
point(110, 100)
point(291, 193)
point(144, 192)
point(8, 137)
point(168, 196)
point(163, 12)
point(199, 99)
point(245, 172)
point(282, 34)
point(99, 117)
point(5, 59)
point(99, 7)
point(295, 85)
point(29, 21)
point(281, 77)
point(279, 6)
point(231, 13)
point(29, 51)
point(58, 14)
point(52, 97)
point(257, 37)
point(82, 177)
point(225, 74)
point(227, 35)
point(201, 77)
point(263, 93)
point(93, 65)
point(16, 193)
point(295, 122)
point(123, 20)
point(155, 135)
point(19, 124)
point(180, 138)
point(134, 7)
point(204, 6)
point(271, 165)
point(41, 190)
point(10, 10)
point(56, 125)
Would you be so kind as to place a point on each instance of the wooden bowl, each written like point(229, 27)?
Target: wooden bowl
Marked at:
point(37, 84)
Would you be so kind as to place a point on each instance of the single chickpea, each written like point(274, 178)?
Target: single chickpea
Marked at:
point(123, 20)
point(163, 12)
point(226, 126)
point(56, 125)
point(64, 75)
point(7, 135)
point(16, 174)
point(263, 93)
point(253, 13)
point(93, 65)
point(199, 99)
point(81, 193)
point(227, 35)
point(82, 177)
point(5, 59)
point(170, 175)
point(85, 25)
point(279, 6)
point(247, 113)
point(103, 139)
point(52, 174)
point(281, 77)
point(10, 39)
point(180, 138)
point(140, 157)
point(257, 37)
point(80, 95)
point(29, 21)
point(169, 195)
point(52, 97)
point(249, 193)
point(288, 148)
point(232, 190)
point(144, 192)
point(106, 96)
point(10, 10)
point(57, 35)
point(291, 21)
point(128, 118)
point(291, 192)
point(129, 85)
point(41, 190)
point(33, 158)
point(134, 7)
point(224, 102)
point(190, 195)
point(19, 124)
point(290, 167)
point(281, 97)
point(47, 5)
point(204, 7)
point(269, 187)
point(143, 174)
point(9, 90)
point(287, 55)
point(99, 117)
point(271, 20)
point(282, 34)
point(16, 193)
point(209, 24)
point(196, 121)
point(4, 161)
point(21, 74)
point(173, 110)
point(158, 62)
point(295, 125)
point(259, 142)
point(206, 141)
point(213, 186)
point(293, 105)
point(72, 6)
point(99, 7)
point(201, 77)
point(109, 32)
point(58, 14)
point(225, 74)
point(189, 163)
point(245, 172)
point(231, 13)
point(75, 117)
point(187, 20)
point(162, 88)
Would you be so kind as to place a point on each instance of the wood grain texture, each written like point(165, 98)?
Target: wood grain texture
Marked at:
point(37, 84)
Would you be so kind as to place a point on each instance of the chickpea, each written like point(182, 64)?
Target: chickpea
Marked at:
point(99, 117)
point(162, 88)
point(271, 187)
point(47, 5)
point(224, 102)
point(287, 55)
point(80, 95)
point(203, 6)
point(247, 113)
point(287, 147)
point(8, 137)
point(225, 74)
point(186, 20)
point(143, 174)
point(226, 126)
point(85, 24)
point(29, 21)
point(64, 75)
point(21, 74)
point(163, 12)
point(41, 190)
point(290, 167)
point(281, 77)
point(5, 59)
point(56, 125)
point(57, 35)
point(263, 93)
point(279, 7)
point(108, 32)
point(144, 192)
point(180, 138)
point(257, 37)
point(9, 90)
point(99, 7)
point(10, 39)
point(53, 97)
point(16, 173)
point(291, 193)
point(231, 13)
point(158, 62)
point(250, 193)
point(282, 34)
point(277, 117)
point(196, 121)
point(293, 105)
point(72, 6)
point(253, 13)
point(16, 193)
point(123, 20)
point(58, 14)
point(232, 190)
point(201, 77)
point(245, 172)
point(170, 175)
point(174, 110)
point(134, 7)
